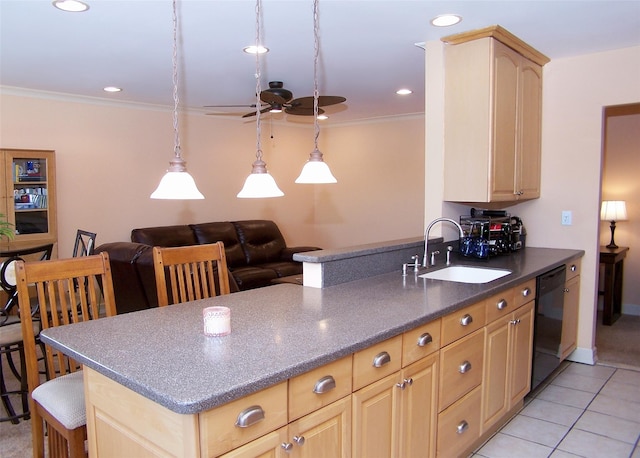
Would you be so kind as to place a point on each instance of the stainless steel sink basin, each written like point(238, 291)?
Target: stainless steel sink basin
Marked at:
point(466, 274)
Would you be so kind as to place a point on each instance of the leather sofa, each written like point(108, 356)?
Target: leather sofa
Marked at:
point(255, 249)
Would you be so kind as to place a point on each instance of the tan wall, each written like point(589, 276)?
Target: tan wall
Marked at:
point(620, 182)
point(575, 92)
point(110, 158)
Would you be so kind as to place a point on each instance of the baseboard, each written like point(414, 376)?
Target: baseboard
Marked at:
point(584, 356)
point(630, 309)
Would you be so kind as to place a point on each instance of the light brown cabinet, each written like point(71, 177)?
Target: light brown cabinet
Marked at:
point(28, 196)
point(569, 339)
point(493, 110)
point(508, 350)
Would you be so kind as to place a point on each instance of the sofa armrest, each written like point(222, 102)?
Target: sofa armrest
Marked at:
point(288, 252)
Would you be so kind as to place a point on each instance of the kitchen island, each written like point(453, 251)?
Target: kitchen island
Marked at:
point(159, 359)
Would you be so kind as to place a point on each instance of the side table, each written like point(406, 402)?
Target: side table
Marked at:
point(613, 260)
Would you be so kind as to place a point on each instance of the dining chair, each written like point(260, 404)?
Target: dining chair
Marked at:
point(58, 402)
point(11, 341)
point(190, 272)
point(84, 244)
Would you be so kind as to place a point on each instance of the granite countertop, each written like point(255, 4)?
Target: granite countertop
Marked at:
point(277, 332)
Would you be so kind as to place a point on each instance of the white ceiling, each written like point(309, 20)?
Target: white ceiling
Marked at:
point(367, 46)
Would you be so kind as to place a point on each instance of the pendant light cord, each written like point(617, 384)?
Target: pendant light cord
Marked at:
point(258, 87)
point(176, 147)
point(316, 51)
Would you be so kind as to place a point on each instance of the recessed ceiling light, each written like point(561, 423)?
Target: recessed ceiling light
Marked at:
point(322, 117)
point(112, 89)
point(404, 91)
point(445, 20)
point(253, 49)
point(74, 6)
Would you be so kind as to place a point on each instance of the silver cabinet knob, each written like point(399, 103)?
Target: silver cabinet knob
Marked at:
point(526, 292)
point(405, 383)
point(464, 367)
point(298, 440)
point(514, 322)
point(286, 446)
point(502, 304)
point(381, 359)
point(462, 427)
point(466, 320)
point(573, 268)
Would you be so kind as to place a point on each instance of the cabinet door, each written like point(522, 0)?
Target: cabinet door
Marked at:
point(505, 117)
point(521, 328)
point(530, 127)
point(268, 446)
point(325, 432)
point(376, 418)
point(495, 399)
point(460, 368)
point(569, 338)
point(29, 199)
point(419, 409)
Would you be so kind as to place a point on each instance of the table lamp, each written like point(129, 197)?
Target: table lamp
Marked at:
point(613, 210)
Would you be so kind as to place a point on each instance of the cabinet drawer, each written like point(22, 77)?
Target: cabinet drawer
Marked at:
point(459, 324)
point(420, 342)
point(525, 292)
point(573, 269)
point(375, 362)
point(459, 425)
point(218, 430)
point(500, 305)
point(319, 387)
point(460, 368)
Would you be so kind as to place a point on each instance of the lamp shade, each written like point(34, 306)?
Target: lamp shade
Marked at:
point(178, 186)
point(316, 171)
point(613, 210)
point(259, 185)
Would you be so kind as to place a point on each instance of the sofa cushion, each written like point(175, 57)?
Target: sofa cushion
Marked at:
point(253, 277)
point(224, 232)
point(261, 240)
point(284, 268)
point(164, 236)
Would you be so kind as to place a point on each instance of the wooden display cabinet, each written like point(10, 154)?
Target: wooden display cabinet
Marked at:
point(28, 191)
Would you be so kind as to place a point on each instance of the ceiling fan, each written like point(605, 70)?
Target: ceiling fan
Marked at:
point(277, 99)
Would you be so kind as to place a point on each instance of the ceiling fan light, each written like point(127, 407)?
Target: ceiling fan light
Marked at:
point(253, 49)
point(445, 20)
point(276, 108)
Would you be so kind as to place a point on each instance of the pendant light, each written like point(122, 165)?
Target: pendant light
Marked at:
point(176, 183)
point(315, 170)
point(259, 184)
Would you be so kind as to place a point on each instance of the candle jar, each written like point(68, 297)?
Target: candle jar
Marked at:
point(217, 321)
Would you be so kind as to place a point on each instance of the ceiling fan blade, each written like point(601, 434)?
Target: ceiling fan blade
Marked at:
point(323, 101)
point(301, 111)
point(253, 113)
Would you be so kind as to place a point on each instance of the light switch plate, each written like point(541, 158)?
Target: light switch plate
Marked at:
point(566, 217)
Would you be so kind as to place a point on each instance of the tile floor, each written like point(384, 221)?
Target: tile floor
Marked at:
point(583, 411)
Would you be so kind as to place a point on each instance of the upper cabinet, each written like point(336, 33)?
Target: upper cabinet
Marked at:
point(493, 108)
point(27, 187)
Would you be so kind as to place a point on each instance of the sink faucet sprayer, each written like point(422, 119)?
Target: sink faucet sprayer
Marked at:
point(426, 234)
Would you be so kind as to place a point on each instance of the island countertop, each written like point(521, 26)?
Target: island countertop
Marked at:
point(277, 332)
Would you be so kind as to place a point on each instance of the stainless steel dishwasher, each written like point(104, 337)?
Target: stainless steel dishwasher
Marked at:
point(547, 332)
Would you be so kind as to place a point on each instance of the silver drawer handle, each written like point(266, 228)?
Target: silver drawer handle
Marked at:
point(526, 292)
point(324, 385)
point(424, 339)
point(466, 320)
point(574, 267)
point(381, 359)
point(502, 304)
point(462, 426)
point(464, 367)
point(250, 416)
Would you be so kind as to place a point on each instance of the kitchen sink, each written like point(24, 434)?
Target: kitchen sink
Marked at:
point(466, 274)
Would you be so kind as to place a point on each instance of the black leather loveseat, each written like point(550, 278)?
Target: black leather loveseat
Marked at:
point(255, 249)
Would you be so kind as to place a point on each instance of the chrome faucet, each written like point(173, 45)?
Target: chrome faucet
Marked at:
point(426, 234)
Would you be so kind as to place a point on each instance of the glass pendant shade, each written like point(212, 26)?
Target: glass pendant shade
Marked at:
point(177, 184)
point(315, 170)
point(260, 183)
